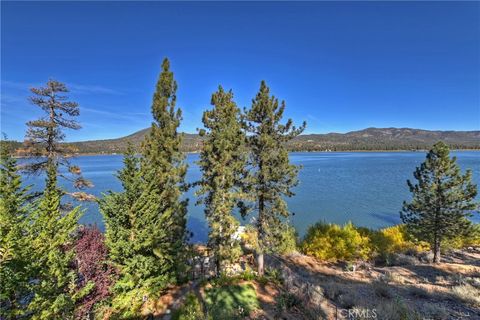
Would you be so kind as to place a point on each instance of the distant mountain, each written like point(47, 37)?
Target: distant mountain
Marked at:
point(381, 139)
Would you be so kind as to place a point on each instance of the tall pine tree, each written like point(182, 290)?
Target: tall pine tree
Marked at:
point(14, 253)
point(443, 200)
point(163, 169)
point(222, 161)
point(271, 176)
point(51, 226)
point(146, 223)
point(121, 228)
point(44, 136)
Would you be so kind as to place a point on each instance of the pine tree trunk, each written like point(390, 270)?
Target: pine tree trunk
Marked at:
point(261, 269)
point(436, 252)
point(261, 208)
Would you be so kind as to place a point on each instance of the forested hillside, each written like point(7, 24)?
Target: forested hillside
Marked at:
point(366, 139)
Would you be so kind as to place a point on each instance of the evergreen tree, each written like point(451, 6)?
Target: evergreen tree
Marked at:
point(14, 254)
point(146, 223)
point(121, 228)
point(163, 169)
point(271, 175)
point(51, 226)
point(222, 161)
point(51, 236)
point(44, 136)
point(443, 200)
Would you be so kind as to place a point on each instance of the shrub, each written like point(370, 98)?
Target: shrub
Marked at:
point(191, 309)
point(272, 276)
point(286, 301)
point(231, 302)
point(333, 242)
point(394, 240)
point(470, 239)
point(395, 310)
point(349, 299)
point(382, 289)
point(95, 273)
point(468, 294)
point(287, 240)
point(332, 290)
point(434, 311)
point(419, 292)
point(284, 240)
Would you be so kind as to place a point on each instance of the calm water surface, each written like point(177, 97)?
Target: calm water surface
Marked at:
point(367, 188)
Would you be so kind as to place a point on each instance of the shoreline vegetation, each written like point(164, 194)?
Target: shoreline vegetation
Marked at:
point(366, 140)
point(299, 151)
point(143, 266)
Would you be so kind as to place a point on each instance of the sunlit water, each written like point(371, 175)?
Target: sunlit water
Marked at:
point(367, 188)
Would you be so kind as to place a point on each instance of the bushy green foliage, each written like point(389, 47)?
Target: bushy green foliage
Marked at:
point(332, 242)
point(443, 200)
point(146, 223)
point(471, 238)
point(14, 253)
point(50, 236)
point(231, 302)
point(190, 310)
point(285, 243)
point(162, 235)
point(222, 161)
point(287, 301)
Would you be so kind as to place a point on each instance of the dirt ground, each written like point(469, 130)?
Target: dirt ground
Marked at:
point(408, 291)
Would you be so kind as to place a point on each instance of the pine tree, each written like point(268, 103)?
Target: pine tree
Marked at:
point(443, 200)
point(271, 176)
point(14, 253)
point(51, 236)
point(121, 216)
point(162, 168)
point(51, 226)
point(222, 161)
point(146, 223)
point(44, 136)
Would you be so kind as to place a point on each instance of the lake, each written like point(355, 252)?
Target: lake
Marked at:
point(367, 188)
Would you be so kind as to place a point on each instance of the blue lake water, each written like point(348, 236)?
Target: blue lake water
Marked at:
point(367, 188)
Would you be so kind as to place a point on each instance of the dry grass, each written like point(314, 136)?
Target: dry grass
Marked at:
point(468, 294)
point(410, 291)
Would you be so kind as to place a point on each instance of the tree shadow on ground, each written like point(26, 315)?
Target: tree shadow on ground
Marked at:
point(391, 300)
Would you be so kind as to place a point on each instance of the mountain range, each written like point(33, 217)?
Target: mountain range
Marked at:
point(366, 139)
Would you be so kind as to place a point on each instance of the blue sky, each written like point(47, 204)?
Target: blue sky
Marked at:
point(340, 66)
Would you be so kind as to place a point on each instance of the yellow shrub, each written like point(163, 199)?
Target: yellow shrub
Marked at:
point(393, 240)
point(333, 242)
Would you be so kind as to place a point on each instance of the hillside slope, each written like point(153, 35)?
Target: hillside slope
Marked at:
point(362, 140)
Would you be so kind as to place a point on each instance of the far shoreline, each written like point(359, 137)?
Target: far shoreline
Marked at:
point(305, 151)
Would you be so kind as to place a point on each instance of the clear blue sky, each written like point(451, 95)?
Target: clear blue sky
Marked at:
point(340, 66)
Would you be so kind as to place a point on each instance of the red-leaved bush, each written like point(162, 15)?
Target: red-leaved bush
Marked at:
point(92, 266)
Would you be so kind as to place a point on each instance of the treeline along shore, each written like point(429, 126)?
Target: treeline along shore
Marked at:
point(370, 139)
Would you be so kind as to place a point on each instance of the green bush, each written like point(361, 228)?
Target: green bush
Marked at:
point(231, 302)
point(469, 239)
point(283, 240)
point(191, 309)
point(271, 276)
point(332, 242)
point(286, 301)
